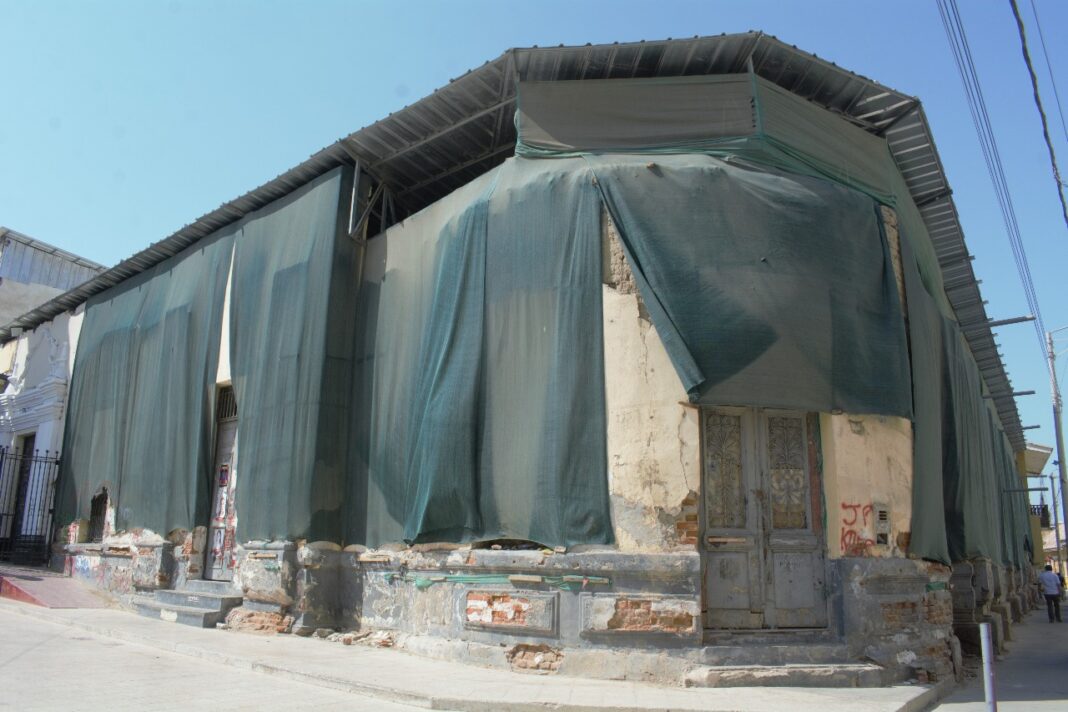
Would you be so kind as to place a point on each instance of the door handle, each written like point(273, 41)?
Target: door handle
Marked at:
point(720, 540)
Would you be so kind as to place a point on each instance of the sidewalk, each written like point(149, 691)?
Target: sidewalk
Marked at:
point(396, 676)
point(48, 588)
point(1031, 676)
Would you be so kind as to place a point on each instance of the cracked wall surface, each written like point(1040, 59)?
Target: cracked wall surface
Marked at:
point(653, 439)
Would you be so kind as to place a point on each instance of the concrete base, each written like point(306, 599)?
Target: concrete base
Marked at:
point(857, 675)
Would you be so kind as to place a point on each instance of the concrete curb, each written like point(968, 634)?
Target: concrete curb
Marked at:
point(930, 697)
point(429, 700)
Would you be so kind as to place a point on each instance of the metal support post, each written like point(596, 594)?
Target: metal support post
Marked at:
point(1051, 355)
point(989, 692)
point(1056, 525)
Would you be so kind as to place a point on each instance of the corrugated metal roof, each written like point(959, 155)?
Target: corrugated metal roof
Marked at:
point(446, 139)
point(24, 259)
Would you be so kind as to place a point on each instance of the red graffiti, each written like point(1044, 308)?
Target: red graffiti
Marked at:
point(854, 523)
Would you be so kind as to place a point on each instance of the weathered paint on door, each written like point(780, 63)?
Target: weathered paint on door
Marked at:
point(763, 552)
point(221, 529)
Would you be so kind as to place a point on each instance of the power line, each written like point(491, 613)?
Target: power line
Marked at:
point(1041, 110)
point(1049, 68)
point(962, 55)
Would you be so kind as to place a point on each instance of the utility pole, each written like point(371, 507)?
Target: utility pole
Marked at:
point(1052, 356)
point(1056, 524)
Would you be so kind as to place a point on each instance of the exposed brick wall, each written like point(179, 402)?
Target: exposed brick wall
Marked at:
point(900, 613)
point(938, 608)
point(249, 621)
point(687, 528)
point(893, 240)
point(616, 270)
point(633, 614)
point(497, 609)
point(535, 657)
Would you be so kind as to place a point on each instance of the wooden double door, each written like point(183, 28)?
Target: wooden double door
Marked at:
point(762, 543)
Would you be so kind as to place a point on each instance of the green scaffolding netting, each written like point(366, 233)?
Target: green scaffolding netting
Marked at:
point(479, 367)
point(962, 460)
point(450, 386)
point(767, 288)
point(139, 417)
point(925, 324)
point(290, 358)
point(741, 115)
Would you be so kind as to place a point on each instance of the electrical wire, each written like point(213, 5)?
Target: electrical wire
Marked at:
point(1049, 69)
point(1041, 110)
point(962, 54)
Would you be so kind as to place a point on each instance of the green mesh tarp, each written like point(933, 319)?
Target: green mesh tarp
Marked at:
point(708, 115)
point(636, 115)
point(480, 375)
point(958, 461)
point(290, 351)
point(925, 324)
point(963, 463)
point(139, 417)
point(767, 288)
point(971, 484)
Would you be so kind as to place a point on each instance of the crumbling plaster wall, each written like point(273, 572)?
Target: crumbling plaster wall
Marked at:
point(867, 465)
point(653, 439)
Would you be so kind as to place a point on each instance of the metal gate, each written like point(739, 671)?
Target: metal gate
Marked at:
point(27, 501)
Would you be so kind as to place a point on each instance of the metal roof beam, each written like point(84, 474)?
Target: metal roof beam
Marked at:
point(455, 169)
point(445, 131)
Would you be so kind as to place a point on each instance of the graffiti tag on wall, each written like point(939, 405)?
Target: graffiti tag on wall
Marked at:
point(854, 540)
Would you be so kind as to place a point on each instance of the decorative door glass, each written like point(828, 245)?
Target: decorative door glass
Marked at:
point(786, 471)
point(724, 483)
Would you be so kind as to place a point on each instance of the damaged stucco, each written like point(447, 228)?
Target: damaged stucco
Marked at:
point(867, 467)
point(653, 438)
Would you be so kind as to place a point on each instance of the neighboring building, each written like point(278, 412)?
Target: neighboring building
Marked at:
point(1049, 545)
point(684, 367)
point(33, 272)
point(34, 373)
point(1035, 458)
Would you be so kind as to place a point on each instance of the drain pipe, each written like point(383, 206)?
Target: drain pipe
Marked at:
point(989, 694)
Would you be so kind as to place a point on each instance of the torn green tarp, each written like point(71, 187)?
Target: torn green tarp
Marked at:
point(767, 288)
point(139, 421)
point(290, 353)
point(480, 367)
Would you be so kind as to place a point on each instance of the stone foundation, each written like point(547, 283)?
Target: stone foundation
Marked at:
point(590, 613)
point(899, 614)
point(121, 569)
point(985, 592)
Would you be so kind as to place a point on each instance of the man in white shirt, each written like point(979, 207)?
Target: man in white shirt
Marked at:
point(1050, 585)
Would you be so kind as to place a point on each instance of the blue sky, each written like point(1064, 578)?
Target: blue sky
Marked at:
point(123, 121)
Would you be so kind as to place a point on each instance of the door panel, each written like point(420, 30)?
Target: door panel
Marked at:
point(794, 549)
point(763, 560)
point(733, 580)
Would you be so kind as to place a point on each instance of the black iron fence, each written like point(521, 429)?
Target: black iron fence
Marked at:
point(27, 501)
point(1042, 512)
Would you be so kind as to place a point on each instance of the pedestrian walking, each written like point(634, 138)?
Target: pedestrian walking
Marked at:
point(1050, 584)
